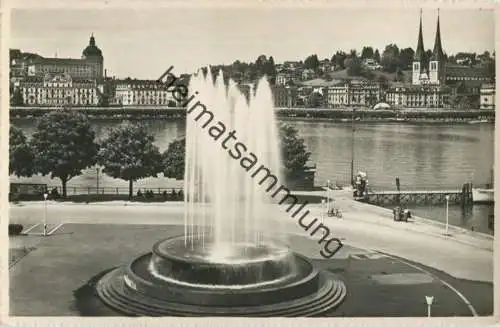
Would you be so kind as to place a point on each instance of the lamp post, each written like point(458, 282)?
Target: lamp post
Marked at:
point(328, 197)
point(352, 147)
point(447, 197)
point(97, 182)
point(322, 210)
point(429, 300)
point(45, 195)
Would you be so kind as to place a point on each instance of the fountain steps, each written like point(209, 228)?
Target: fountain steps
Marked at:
point(118, 296)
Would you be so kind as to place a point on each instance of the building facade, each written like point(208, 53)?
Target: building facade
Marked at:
point(89, 66)
point(132, 92)
point(487, 96)
point(59, 90)
point(411, 96)
point(285, 96)
point(353, 93)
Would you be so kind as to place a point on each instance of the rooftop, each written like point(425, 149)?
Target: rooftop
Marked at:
point(321, 82)
point(58, 61)
point(465, 71)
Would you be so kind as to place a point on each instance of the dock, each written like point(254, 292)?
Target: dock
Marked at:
point(458, 196)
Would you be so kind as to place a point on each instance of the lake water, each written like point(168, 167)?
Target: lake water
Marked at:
point(423, 157)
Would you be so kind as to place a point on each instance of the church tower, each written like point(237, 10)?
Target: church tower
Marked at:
point(419, 58)
point(93, 55)
point(437, 60)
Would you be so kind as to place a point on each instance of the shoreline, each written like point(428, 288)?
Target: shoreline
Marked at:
point(343, 115)
point(421, 121)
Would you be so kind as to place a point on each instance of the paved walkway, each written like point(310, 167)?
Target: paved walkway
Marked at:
point(464, 254)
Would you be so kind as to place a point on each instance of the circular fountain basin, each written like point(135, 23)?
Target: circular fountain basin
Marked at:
point(225, 265)
point(195, 281)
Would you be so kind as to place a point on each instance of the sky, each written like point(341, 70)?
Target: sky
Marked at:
point(144, 43)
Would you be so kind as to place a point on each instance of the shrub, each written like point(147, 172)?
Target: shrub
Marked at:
point(15, 229)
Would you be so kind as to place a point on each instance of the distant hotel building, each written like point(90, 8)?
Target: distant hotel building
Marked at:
point(130, 92)
point(413, 96)
point(353, 93)
point(59, 90)
point(58, 81)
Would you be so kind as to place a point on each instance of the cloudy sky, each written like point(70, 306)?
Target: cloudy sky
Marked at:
point(143, 43)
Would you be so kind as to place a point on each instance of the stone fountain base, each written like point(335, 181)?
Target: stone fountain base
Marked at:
point(174, 280)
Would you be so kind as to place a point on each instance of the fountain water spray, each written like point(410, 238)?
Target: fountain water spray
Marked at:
point(225, 206)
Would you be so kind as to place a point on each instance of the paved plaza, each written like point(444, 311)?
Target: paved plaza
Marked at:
point(379, 263)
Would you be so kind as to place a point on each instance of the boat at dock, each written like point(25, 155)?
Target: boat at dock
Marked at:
point(482, 121)
point(483, 195)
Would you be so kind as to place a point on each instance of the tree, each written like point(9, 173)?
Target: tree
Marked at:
point(314, 100)
point(294, 154)
point(390, 58)
point(294, 151)
point(399, 75)
point(490, 69)
point(376, 56)
point(269, 69)
point(338, 59)
point(354, 67)
point(17, 97)
point(21, 156)
point(406, 58)
point(367, 53)
point(312, 62)
point(174, 158)
point(64, 144)
point(129, 153)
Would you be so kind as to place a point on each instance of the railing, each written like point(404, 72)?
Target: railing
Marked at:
point(79, 190)
point(81, 193)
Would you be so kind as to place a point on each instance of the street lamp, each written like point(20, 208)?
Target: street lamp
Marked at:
point(322, 210)
point(45, 195)
point(447, 197)
point(97, 184)
point(429, 300)
point(352, 147)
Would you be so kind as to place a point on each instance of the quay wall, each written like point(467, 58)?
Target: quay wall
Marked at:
point(344, 114)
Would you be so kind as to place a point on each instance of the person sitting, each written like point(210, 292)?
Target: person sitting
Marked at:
point(139, 193)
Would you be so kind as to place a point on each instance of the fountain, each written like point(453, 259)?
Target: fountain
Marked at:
point(232, 259)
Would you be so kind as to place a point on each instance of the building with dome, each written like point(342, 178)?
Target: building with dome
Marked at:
point(89, 66)
point(58, 81)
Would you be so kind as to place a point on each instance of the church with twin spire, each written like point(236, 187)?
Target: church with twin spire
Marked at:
point(434, 80)
point(429, 70)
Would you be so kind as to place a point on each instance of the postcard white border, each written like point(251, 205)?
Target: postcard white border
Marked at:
point(6, 6)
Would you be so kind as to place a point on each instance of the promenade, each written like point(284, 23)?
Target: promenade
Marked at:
point(464, 254)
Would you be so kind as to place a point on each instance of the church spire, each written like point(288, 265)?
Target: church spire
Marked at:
point(437, 53)
point(420, 53)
